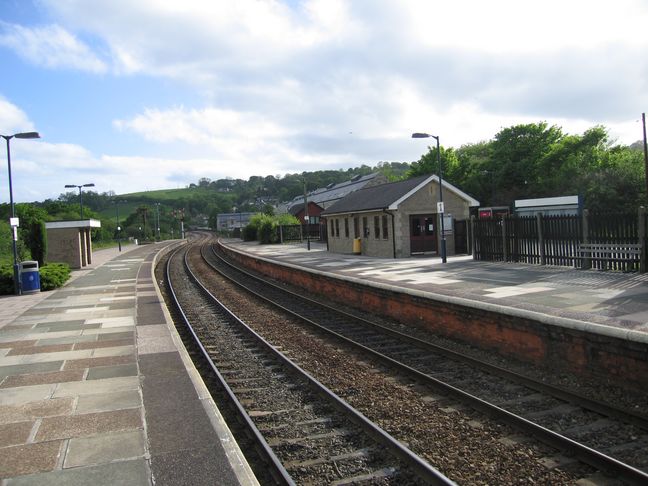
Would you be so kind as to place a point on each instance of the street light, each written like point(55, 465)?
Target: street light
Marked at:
point(440, 208)
point(13, 221)
point(118, 226)
point(80, 196)
point(157, 210)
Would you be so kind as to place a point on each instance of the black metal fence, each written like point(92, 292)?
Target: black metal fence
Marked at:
point(619, 240)
point(300, 232)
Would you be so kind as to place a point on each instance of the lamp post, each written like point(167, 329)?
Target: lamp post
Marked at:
point(80, 193)
point(13, 221)
point(440, 208)
point(118, 226)
point(157, 213)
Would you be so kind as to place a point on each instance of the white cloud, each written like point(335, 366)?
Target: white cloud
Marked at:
point(207, 125)
point(50, 46)
point(13, 119)
point(268, 86)
point(512, 26)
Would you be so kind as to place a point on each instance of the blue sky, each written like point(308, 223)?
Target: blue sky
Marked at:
point(157, 94)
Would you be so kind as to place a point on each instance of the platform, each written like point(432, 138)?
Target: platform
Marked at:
point(96, 387)
point(612, 299)
point(587, 324)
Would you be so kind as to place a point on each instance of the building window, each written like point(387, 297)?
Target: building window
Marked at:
point(376, 227)
point(337, 227)
point(365, 227)
point(356, 227)
point(332, 228)
point(346, 227)
point(385, 228)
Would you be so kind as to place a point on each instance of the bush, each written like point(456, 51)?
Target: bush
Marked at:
point(267, 231)
point(249, 232)
point(6, 279)
point(54, 275)
point(264, 228)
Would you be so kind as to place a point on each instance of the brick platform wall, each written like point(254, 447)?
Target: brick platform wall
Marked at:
point(546, 345)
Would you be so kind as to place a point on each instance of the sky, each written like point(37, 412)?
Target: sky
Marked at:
point(157, 94)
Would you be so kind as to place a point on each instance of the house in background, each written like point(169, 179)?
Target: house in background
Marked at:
point(399, 219)
point(232, 222)
point(550, 206)
point(326, 196)
point(314, 211)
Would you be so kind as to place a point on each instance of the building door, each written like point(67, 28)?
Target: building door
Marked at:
point(423, 237)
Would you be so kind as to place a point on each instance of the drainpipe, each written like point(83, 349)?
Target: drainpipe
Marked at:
point(393, 232)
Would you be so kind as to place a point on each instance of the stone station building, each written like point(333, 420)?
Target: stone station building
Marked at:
point(399, 219)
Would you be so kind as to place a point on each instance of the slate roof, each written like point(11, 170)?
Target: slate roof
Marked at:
point(375, 197)
point(388, 196)
point(326, 196)
point(296, 208)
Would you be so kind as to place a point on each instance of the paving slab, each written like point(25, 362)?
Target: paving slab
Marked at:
point(105, 448)
point(104, 402)
point(613, 299)
point(122, 473)
point(97, 388)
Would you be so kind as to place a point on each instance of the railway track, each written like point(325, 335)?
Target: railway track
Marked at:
point(606, 438)
point(301, 431)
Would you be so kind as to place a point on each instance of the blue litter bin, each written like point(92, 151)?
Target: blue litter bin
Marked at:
point(29, 277)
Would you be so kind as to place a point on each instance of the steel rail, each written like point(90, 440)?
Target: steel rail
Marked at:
point(425, 471)
point(624, 415)
point(277, 470)
point(582, 452)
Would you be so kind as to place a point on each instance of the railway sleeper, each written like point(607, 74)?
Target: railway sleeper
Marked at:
point(267, 413)
point(562, 409)
point(581, 430)
point(558, 461)
point(381, 473)
point(279, 441)
point(640, 445)
point(526, 399)
point(359, 454)
point(277, 427)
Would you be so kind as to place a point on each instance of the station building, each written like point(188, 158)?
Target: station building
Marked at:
point(399, 219)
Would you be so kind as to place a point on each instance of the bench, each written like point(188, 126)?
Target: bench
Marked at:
point(627, 255)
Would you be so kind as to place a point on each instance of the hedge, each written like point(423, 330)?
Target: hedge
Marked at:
point(52, 276)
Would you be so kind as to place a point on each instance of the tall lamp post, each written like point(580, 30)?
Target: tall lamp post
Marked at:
point(157, 212)
point(118, 226)
point(80, 193)
point(440, 208)
point(13, 221)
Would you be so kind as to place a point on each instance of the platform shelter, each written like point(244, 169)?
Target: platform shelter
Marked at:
point(70, 242)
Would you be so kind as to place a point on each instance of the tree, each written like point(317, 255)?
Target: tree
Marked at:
point(515, 158)
point(428, 163)
point(474, 173)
